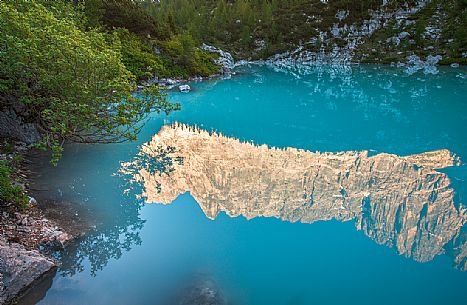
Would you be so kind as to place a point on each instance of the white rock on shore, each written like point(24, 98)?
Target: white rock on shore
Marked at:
point(184, 88)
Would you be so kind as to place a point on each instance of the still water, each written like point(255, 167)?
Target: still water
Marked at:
point(142, 252)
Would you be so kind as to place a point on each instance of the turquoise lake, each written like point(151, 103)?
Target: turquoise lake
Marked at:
point(142, 253)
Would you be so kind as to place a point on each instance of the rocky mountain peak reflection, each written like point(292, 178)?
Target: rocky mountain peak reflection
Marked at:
point(399, 201)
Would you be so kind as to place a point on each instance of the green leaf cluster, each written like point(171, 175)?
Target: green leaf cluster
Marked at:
point(73, 82)
point(182, 58)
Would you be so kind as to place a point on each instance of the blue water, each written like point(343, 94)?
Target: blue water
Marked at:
point(142, 253)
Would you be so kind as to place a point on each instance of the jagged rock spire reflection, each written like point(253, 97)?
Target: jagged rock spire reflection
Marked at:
point(399, 201)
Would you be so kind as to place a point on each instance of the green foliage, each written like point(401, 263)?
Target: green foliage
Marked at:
point(257, 28)
point(261, 28)
point(122, 14)
point(450, 16)
point(137, 56)
point(8, 191)
point(74, 82)
point(456, 29)
point(136, 29)
point(9, 148)
point(182, 58)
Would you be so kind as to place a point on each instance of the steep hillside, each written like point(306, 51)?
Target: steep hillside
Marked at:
point(365, 31)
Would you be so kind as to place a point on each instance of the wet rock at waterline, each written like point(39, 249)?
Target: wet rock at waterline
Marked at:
point(402, 202)
point(20, 268)
point(184, 88)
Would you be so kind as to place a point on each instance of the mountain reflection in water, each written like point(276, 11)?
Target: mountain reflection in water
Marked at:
point(399, 201)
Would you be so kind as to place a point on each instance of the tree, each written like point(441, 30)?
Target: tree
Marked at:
point(73, 83)
point(122, 14)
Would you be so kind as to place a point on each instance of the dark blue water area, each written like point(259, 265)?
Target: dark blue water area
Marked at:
point(142, 253)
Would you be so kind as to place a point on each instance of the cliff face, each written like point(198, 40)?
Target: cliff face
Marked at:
point(401, 202)
point(413, 34)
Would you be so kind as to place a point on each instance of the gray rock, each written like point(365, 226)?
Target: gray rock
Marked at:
point(32, 201)
point(433, 60)
point(13, 127)
point(184, 88)
point(342, 14)
point(415, 63)
point(394, 40)
point(225, 59)
point(19, 269)
point(403, 35)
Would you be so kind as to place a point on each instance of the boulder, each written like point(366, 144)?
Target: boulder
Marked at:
point(13, 127)
point(403, 35)
point(184, 88)
point(19, 269)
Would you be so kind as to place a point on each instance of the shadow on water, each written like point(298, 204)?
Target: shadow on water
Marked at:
point(100, 237)
point(39, 290)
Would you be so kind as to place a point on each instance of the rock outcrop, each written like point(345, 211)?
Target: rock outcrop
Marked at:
point(353, 41)
point(13, 127)
point(20, 269)
point(399, 201)
point(225, 59)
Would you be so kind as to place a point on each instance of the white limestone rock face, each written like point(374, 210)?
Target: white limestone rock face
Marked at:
point(353, 34)
point(225, 59)
point(399, 201)
point(19, 268)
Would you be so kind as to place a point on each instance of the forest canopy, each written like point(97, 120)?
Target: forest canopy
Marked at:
point(72, 68)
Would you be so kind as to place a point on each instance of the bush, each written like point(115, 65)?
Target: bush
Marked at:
point(138, 56)
point(8, 191)
point(121, 14)
point(182, 58)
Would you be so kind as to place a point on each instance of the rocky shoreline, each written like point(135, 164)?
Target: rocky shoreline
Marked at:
point(29, 237)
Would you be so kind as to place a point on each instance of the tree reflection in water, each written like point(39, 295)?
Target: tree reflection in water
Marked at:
point(105, 242)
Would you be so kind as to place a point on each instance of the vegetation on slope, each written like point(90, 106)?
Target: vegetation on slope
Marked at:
point(440, 28)
point(149, 45)
point(9, 191)
point(72, 67)
point(262, 28)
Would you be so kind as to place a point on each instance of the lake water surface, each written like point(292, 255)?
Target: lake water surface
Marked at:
point(141, 253)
